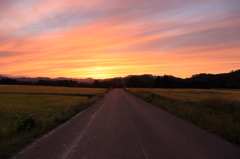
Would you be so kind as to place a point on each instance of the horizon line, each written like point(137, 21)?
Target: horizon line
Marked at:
point(24, 76)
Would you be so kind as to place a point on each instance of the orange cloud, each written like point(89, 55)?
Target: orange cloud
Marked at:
point(105, 39)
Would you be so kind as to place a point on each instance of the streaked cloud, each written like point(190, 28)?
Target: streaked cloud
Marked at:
point(103, 38)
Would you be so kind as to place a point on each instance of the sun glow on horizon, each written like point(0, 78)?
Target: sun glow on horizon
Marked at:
point(106, 39)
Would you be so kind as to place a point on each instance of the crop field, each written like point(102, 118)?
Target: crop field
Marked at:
point(25, 115)
point(49, 89)
point(217, 111)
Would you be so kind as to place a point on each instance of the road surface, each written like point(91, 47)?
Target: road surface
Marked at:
point(122, 126)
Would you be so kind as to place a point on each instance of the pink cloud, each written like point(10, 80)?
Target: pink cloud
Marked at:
point(117, 38)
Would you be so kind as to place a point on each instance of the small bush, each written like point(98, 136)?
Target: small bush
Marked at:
point(25, 122)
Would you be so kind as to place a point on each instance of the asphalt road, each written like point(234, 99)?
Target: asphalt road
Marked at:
point(121, 126)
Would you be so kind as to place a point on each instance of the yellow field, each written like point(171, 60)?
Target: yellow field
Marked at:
point(49, 89)
point(192, 94)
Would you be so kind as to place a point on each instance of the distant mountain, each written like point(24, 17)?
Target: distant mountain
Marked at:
point(28, 79)
point(61, 78)
point(129, 76)
point(86, 80)
point(202, 80)
point(146, 79)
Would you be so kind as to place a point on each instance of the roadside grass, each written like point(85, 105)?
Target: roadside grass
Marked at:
point(26, 116)
point(217, 111)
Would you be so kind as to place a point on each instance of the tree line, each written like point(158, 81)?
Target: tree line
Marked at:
point(206, 81)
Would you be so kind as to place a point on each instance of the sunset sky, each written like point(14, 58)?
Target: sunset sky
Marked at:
point(116, 38)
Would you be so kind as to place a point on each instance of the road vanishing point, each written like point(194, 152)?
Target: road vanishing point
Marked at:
point(122, 126)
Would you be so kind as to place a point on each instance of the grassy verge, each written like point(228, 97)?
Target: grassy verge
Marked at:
point(217, 111)
point(26, 116)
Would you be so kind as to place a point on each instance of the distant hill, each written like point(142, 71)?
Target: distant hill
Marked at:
point(144, 80)
point(86, 80)
point(27, 79)
point(129, 76)
point(224, 80)
point(202, 80)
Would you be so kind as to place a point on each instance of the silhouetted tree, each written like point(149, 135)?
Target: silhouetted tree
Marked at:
point(8, 81)
point(158, 82)
point(134, 82)
point(117, 83)
point(96, 84)
point(82, 84)
point(166, 82)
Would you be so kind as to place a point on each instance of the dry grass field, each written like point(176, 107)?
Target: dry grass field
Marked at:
point(25, 114)
point(216, 110)
point(49, 89)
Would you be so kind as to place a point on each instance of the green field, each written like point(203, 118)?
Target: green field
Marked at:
point(217, 111)
point(25, 115)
